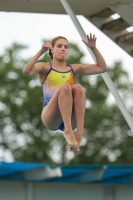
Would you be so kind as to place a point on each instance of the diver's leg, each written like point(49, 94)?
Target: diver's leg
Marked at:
point(60, 109)
point(79, 102)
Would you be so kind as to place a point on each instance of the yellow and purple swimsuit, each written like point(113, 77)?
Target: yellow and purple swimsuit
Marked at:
point(53, 80)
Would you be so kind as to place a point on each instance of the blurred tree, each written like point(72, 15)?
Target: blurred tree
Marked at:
point(107, 136)
point(21, 129)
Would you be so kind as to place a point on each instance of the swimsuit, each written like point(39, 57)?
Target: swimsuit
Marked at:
point(53, 80)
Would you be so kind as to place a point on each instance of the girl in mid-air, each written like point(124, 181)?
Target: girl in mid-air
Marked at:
point(64, 101)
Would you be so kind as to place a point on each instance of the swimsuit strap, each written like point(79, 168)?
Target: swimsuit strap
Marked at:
point(48, 72)
point(71, 68)
point(50, 65)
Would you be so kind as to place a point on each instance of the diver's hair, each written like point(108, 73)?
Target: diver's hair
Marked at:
point(53, 41)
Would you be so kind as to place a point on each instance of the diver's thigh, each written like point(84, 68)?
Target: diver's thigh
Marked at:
point(51, 115)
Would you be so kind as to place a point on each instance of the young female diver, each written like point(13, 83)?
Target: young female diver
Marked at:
point(64, 101)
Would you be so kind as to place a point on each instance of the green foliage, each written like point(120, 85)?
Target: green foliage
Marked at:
point(107, 137)
point(21, 105)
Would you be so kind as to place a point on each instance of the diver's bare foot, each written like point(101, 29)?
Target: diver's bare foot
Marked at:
point(73, 144)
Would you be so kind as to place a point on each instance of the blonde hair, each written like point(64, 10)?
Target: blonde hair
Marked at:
point(53, 41)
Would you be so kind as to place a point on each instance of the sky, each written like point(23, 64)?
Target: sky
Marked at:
point(31, 29)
